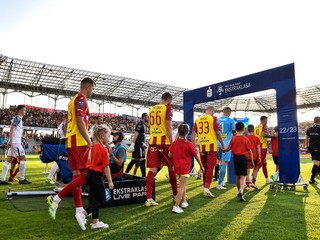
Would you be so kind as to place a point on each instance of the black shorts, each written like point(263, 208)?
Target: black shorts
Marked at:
point(315, 153)
point(275, 160)
point(240, 165)
point(139, 151)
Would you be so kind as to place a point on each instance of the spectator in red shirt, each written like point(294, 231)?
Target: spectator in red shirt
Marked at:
point(181, 152)
point(97, 163)
point(240, 145)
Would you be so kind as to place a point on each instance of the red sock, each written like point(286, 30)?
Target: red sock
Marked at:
point(173, 182)
point(265, 170)
point(254, 180)
point(77, 197)
point(77, 181)
point(149, 183)
point(248, 184)
point(11, 173)
point(16, 172)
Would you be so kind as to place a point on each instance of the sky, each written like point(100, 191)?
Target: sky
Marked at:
point(184, 43)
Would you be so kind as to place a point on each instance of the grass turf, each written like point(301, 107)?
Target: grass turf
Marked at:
point(268, 214)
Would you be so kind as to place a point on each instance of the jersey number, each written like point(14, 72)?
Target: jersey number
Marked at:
point(203, 127)
point(155, 118)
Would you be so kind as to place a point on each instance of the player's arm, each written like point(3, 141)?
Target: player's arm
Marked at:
point(197, 157)
point(83, 130)
point(12, 128)
point(219, 137)
point(169, 130)
point(193, 137)
point(135, 136)
point(306, 142)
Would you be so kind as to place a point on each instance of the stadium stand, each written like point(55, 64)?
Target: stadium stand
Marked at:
point(62, 82)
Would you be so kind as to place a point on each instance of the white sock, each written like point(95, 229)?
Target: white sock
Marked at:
point(79, 210)
point(149, 199)
point(5, 169)
point(241, 191)
point(22, 168)
point(206, 190)
point(53, 170)
point(56, 199)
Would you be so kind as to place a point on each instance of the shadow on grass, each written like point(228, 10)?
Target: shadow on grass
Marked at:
point(282, 217)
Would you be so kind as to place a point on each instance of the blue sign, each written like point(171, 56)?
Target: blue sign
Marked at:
point(281, 79)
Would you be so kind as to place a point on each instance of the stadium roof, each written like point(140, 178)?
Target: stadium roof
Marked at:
point(33, 78)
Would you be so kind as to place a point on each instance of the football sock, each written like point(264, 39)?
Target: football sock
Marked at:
point(15, 172)
point(77, 197)
point(130, 165)
point(248, 184)
point(77, 181)
point(254, 180)
point(53, 170)
point(265, 170)
point(22, 168)
point(222, 173)
point(149, 184)
point(4, 170)
point(314, 172)
point(57, 199)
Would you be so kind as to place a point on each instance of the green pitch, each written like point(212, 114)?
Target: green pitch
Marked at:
point(268, 214)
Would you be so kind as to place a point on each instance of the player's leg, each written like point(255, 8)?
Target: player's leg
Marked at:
point(217, 167)
point(52, 172)
point(164, 151)
point(130, 165)
point(264, 165)
point(13, 170)
point(315, 169)
point(225, 158)
point(211, 163)
point(248, 182)
point(255, 174)
point(5, 168)
point(143, 167)
point(22, 165)
point(78, 166)
point(275, 176)
point(141, 161)
point(153, 163)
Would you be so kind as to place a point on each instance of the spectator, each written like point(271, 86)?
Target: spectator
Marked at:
point(117, 154)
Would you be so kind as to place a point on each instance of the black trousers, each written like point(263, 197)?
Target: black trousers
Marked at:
point(97, 193)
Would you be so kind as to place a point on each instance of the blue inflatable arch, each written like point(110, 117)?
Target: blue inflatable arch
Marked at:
point(282, 80)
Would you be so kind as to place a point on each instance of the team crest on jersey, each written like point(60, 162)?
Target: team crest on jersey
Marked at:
point(81, 103)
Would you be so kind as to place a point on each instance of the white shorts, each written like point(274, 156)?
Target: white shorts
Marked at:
point(16, 150)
